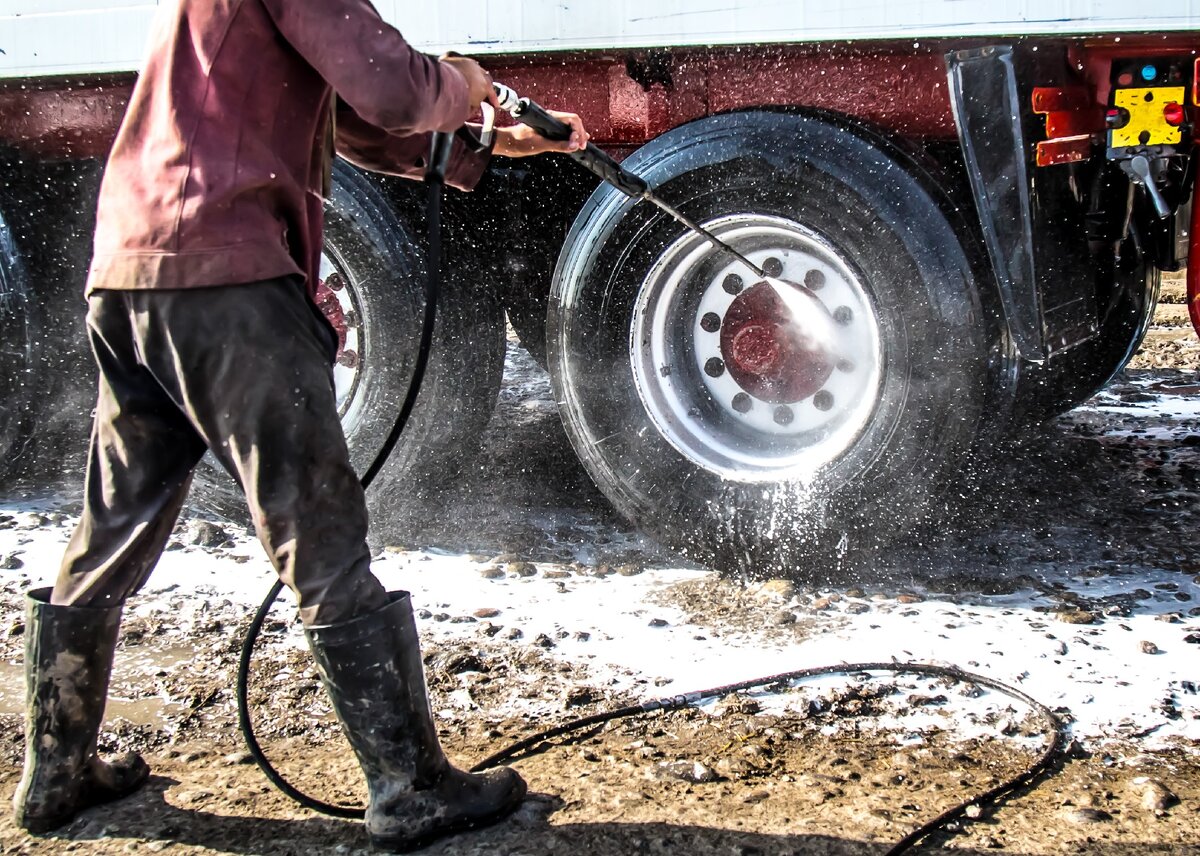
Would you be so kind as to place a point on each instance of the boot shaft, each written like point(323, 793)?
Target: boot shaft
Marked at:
point(68, 661)
point(371, 667)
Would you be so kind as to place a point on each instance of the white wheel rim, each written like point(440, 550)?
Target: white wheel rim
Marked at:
point(757, 440)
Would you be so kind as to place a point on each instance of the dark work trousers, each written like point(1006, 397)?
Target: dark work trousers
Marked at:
point(243, 370)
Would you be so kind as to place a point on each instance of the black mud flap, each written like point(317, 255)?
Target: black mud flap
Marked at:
point(1033, 225)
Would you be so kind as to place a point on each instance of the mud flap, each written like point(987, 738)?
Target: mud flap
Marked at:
point(1035, 232)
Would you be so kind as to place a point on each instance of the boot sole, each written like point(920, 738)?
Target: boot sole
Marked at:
point(407, 844)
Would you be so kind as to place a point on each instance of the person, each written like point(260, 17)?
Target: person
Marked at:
point(202, 321)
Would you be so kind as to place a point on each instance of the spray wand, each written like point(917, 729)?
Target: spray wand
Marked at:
point(530, 113)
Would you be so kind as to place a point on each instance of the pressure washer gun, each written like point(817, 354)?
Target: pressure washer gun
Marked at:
point(530, 113)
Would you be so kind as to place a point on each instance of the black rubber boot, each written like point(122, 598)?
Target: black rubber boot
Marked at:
point(372, 670)
point(68, 658)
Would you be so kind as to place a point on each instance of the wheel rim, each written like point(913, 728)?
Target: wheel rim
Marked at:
point(345, 313)
point(756, 380)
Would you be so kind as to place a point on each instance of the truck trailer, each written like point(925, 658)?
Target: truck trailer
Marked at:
point(980, 195)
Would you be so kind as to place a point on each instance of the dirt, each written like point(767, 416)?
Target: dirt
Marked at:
point(1084, 498)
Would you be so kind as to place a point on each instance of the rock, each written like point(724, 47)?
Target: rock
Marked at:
point(737, 704)
point(514, 633)
point(782, 589)
point(1148, 647)
point(578, 696)
point(441, 616)
point(686, 771)
point(209, 534)
point(424, 614)
point(629, 570)
point(1084, 816)
point(463, 619)
point(821, 604)
point(1192, 638)
point(523, 569)
point(581, 636)
point(858, 608)
point(783, 617)
point(658, 622)
point(556, 574)
point(1060, 648)
point(735, 767)
point(16, 627)
point(486, 612)
point(458, 662)
point(492, 572)
point(1076, 616)
point(854, 592)
point(543, 641)
point(234, 758)
point(909, 598)
point(11, 563)
point(990, 843)
point(918, 700)
point(1153, 794)
point(973, 811)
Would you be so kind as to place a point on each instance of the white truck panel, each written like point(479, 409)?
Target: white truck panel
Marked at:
point(54, 37)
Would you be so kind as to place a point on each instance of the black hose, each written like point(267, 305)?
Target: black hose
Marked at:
point(1053, 725)
point(1053, 728)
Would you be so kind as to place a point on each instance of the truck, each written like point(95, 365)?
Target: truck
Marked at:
point(980, 194)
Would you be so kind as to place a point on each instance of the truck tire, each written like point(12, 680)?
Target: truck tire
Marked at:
point(738, 475)
point(16, 351)
point(376, 273)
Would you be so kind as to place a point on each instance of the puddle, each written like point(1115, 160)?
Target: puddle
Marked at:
point(138, 668)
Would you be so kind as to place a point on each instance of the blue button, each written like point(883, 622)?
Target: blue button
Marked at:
point(1149, 72)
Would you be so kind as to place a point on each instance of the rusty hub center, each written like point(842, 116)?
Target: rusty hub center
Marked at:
point(776, 349)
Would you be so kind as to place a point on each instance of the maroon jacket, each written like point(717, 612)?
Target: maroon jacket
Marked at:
point(216, 174)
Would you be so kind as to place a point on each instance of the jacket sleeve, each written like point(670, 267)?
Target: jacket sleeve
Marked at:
point(405, 155)
point(370, 65)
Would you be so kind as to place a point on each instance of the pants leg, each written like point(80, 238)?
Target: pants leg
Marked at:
point(139, 467)
point(249, 366)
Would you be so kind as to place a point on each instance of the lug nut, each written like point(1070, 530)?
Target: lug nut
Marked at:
point(710, 322)
point(823, 400)
point(845, 366)
point(784, 415)
point(814, 279)
point(732, 283)
point(742, 403)
point(714, 367)
point(772, 267)
point(843, 315)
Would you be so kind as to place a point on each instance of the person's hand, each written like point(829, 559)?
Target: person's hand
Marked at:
point(479, 82)
point(522, 141)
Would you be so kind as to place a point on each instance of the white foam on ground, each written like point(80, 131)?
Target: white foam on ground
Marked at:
point(1110, 686)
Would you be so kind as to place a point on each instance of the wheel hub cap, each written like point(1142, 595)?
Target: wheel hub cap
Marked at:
point(776, 350)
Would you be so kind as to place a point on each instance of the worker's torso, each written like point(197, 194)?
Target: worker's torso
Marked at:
point(216, 171)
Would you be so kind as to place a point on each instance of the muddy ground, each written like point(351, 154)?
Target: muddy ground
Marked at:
point(1086, 497)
